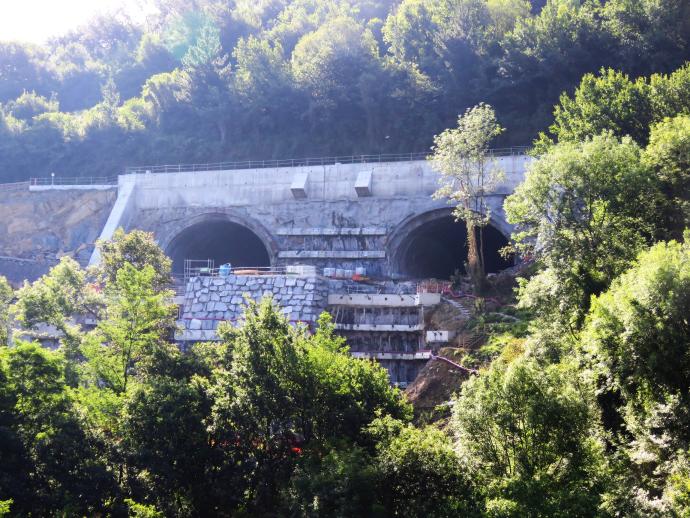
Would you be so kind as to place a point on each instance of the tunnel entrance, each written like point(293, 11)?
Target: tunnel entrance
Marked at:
point(221, 241)
point(439, 247)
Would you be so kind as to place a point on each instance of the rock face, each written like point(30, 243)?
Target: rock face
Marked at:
point(37, 228)
point(211, 300)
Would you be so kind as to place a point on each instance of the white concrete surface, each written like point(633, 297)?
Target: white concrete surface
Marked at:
point(383, 300)
point(119, 215)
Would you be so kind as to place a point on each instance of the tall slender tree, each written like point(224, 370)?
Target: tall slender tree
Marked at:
point(462, 157)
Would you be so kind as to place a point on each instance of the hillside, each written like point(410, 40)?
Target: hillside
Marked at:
point(213, 80)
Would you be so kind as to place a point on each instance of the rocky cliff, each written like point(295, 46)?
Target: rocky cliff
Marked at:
point(37, 228)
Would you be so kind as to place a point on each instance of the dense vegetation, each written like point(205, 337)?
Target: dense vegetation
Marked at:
point(581, 408)
point(211, 80)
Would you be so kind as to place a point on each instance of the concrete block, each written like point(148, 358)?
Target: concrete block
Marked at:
point(363, 184)
point(195, 324)
point(303, 270)
point(299, 186)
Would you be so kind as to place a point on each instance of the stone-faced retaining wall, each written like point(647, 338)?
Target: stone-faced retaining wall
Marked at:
point(211, 300)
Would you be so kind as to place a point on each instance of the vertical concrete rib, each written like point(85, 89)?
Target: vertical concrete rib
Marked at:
point(119, 214)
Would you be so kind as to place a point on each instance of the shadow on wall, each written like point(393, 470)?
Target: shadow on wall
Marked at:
point(222, 241)
point(437, 248)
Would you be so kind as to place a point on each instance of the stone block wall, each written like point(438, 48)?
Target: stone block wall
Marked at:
point(211, 300)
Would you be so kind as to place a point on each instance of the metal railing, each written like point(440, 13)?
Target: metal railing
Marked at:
point(14, 186)
point(73, 180)
point(243, 164)
point(304, 162)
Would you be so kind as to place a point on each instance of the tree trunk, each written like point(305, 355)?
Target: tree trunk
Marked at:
point(475, 267)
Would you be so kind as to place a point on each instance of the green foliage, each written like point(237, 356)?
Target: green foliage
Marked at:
point(461, 156)
point(30, 105)
point(273, 392)
point(421, 474)
point(211, 80)
point(53, 300)
point(342, 482)
point(585, 209)
point(510, 427)
point(668, 154)
point(638, 330)
point(141, 510)
point(136, 323)
point(608, 102)
point(137, 248)
point(48, 464)
point(54, 297)
point(636, 340)
point(6, 296)
point(612, 102)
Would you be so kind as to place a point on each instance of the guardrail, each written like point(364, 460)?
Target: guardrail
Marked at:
point(14, 186)
point(242, 164)
point(302, 162)
point(73, 180)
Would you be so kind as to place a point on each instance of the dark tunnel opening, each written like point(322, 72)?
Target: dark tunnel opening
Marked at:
point(222, 241)
point(438, 248)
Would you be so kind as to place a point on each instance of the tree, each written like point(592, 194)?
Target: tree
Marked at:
point(608, 102)
point(612, 102)
point(638, 329)
point(342, 481)
point(56, 299)
point(637, 339)
point(49, 465)
point(137, 321)
point(6, 296)
point(419, 472)
point(461, 156)
point(668, 154)
point(137, 248)
point(166, 446)
point(280, 389)
point(528, 435)
point(585, 210)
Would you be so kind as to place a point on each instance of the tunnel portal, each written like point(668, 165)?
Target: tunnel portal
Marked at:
point(437, 248)
point(221, 241)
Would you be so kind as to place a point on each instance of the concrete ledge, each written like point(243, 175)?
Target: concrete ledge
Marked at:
point(384, 300)
point(332, 231)
point(332, 254)
point(439, 336)
point(402, 328)
point(419, 355)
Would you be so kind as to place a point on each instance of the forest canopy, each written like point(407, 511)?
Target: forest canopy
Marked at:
point(213, 80)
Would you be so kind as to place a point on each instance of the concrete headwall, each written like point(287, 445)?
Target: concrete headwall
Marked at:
point(344, 215)
point(339, 215)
